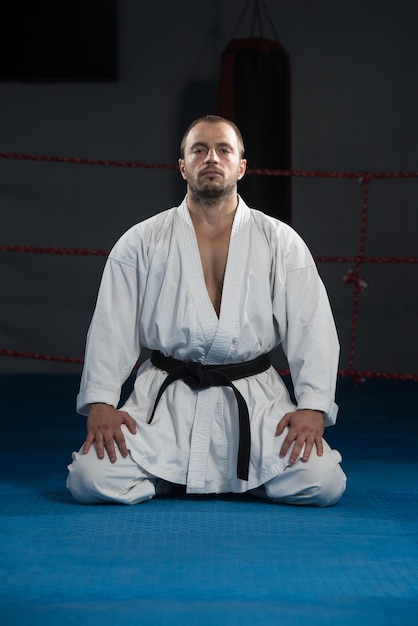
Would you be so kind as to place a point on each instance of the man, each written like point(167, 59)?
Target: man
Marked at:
point(211, 287)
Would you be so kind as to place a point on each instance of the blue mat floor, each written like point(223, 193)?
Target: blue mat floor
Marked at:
point(208, 561)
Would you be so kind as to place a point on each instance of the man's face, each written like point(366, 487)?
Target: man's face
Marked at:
point(212, 164)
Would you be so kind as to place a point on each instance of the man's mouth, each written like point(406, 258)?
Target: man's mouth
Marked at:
point(211, 173)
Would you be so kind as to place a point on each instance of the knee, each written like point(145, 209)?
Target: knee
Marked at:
point(92, 480)
point(84, 478)
point(318, 482)
point(328, 484)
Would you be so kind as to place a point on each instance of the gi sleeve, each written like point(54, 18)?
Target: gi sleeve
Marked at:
point(112, 346)
point(308, 333)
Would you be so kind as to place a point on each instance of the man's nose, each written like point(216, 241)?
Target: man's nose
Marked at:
point(211, 156)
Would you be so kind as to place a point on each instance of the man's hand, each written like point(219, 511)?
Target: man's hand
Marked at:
point(104, 427)
point(306, 428)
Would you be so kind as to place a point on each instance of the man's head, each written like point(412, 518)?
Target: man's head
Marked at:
point(213, 119)
point(212, 158)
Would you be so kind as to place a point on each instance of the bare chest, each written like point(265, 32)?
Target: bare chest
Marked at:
point(213, 255)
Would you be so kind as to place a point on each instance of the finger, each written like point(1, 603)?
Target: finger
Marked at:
point(309, 447)
point(307, 451)
point(110, 448)
point(319, 446)
point(286, 445)
point(99, 447)
point(296, 452)
point(87, 444)
point(130, 423)
point(121, 443)
point(282, 424)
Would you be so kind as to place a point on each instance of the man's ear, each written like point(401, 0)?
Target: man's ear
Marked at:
point(182, 169)
point(242, 168)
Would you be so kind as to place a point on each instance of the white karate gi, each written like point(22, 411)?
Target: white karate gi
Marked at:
point(153, 294)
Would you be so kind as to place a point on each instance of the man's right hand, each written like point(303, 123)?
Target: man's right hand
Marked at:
point(104, 427)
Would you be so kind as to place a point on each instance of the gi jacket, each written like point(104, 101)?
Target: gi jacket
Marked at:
point(153, 295)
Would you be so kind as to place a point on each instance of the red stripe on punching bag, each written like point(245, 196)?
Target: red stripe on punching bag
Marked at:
point(254, 92)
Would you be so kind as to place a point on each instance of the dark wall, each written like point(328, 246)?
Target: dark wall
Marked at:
point(354, 103)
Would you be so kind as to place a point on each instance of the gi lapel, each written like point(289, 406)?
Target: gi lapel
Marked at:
point(220, 333)
point(195, 279)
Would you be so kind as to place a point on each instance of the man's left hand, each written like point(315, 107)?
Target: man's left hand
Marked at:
point(306, 428)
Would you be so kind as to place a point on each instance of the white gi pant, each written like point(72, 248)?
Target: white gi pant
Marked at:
point(319, 481)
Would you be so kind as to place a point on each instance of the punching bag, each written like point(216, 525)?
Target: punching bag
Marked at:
point(254, 92)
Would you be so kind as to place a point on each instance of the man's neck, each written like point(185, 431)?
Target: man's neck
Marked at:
point(212, 214)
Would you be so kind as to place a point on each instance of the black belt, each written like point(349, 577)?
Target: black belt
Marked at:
point(198, 376)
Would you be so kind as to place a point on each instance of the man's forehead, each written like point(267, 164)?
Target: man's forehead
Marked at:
point(216, 132)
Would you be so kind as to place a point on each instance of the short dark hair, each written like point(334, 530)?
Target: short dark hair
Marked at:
point(213, 119)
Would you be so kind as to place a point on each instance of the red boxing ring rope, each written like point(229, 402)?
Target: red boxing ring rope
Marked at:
point(352, 276)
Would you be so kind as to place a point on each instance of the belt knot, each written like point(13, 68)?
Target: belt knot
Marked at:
point(196, 377)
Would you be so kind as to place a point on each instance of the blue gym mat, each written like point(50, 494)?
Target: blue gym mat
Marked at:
point(208, 561)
